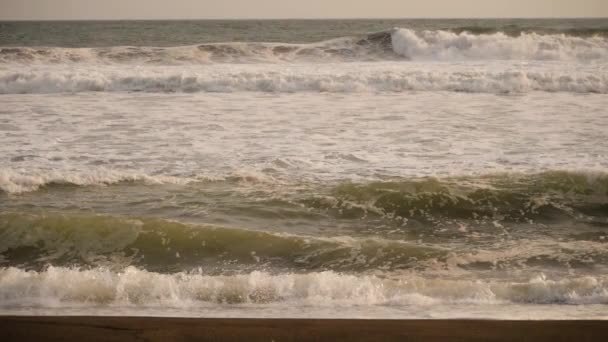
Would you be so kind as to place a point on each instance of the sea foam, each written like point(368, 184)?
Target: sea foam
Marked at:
point(18, 181)
point(446, 45)
point(57, 286)
point(349, 78)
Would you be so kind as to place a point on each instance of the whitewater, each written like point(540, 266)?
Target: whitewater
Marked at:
point(529, 62)
point(355, 169)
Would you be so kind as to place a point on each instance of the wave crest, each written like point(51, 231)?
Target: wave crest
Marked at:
point(398, 43)
point(549, 196)
point(446, 45)
point(374, 46)
point(15, 182)
point(36, 240)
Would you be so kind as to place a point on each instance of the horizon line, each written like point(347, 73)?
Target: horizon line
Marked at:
point(297, 18)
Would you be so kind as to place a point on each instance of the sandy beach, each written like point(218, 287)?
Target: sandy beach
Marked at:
point(49, 328)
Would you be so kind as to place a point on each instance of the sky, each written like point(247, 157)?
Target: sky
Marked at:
point(207, 9)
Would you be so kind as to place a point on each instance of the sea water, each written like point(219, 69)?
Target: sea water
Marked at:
point(341, 168)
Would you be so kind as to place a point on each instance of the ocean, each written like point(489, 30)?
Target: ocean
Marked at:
point(305, 168)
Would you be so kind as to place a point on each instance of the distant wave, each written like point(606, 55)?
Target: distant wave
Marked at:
point(445, 45)
point(514, 30)
point(372, 47)
point(390, 78)
point(396, 44)
point(319, 67)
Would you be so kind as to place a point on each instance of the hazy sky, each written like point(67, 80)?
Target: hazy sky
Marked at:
point(175, 9)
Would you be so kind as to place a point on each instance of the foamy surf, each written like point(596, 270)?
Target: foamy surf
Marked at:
point(19, 181)
point(59, 286)
point(331, 78)
point(446, 45)
point(389, 61)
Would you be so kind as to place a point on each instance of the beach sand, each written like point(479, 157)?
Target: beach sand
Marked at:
point(55, 328)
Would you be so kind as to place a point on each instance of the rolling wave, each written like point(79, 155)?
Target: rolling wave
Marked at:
point(395, 44)
point(511, 197)
point(551, 196)
point(37, 240)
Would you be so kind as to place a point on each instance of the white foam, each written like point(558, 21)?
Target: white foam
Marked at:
point(19, 181)
point(98, 138)
point(446, 45)
point(328, 78)
point(65, 286)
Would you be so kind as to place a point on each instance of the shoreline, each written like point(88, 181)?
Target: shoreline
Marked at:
point(106, 328)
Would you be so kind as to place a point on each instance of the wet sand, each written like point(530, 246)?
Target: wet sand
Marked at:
point(55, 328)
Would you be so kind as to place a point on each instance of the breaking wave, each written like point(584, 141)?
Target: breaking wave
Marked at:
point(12, 181)
point(290, 80)
point(372, 47)
point(508, 197)
point(58, 286)
point(286, 68)
point(398, 43)
point(446, 45)
point(551, 196)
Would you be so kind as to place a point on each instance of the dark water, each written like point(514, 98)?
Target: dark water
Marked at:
point(175, 33)
point(394, 225)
